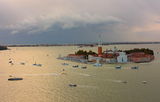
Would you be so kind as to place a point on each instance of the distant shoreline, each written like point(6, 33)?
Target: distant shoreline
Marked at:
point(89, 44)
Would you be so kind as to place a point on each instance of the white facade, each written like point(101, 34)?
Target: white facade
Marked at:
point(122, 58)
point(92, 58)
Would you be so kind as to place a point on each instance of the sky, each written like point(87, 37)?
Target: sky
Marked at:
point(78, 21)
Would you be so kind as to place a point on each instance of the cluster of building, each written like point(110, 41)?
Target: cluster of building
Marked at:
point(109, 56)
point(112, 56)
point(116, 56)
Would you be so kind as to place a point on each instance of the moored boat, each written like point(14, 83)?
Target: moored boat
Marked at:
point(135, 67)
point(75, 66)
point(84, 67)
point(65, 64)
point(118, 67)
point(15, 79)
point(97, 65)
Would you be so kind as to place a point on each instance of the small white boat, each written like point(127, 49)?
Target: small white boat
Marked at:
point(118, 67)
point(97, 65)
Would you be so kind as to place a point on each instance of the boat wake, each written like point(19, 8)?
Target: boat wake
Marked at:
point(82, 74)
point(46, 74)
point(86, 86)
point(117, 81)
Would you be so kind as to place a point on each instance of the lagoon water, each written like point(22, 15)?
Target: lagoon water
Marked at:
point(49, 83)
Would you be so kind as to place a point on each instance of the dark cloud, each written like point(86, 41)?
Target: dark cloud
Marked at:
point(60, 21)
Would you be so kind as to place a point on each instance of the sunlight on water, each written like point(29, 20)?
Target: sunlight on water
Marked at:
point(50, 81)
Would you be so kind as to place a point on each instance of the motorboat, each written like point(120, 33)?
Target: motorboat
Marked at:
point(125, 82)
point(39, 65)
point(84, 67)
point(135, 67)
point(118, 67)
point(10, 62)
point(72, 85)
point(15, 79)
point(97, 65)
point(144, 82)
point(75, 66)
point(22, 63)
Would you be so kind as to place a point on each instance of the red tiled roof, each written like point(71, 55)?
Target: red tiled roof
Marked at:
point(110, 55)
point(139, 54)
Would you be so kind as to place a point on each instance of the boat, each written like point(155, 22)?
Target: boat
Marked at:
point(125, 82)
point(144, 82)
point(10, 62)
point(118, 67)
point(65, 64)
point(22, 63)
point(39, 65)
point(72, 85)
point(84, 67)
point(97, 65)
point(15, 79)
point(135, 67)
point(75, 66)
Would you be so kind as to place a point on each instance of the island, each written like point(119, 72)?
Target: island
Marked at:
point(136, 55)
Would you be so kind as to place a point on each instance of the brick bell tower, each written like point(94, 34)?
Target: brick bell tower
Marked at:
point(100, 47)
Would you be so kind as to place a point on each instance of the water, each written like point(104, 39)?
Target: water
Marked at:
point(49, 83)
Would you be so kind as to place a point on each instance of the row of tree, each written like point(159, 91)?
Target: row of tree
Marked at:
point(86, 53)
point(3, 48)
point(144, 50)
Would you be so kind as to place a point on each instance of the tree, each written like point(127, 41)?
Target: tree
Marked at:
point(3, 48)
point(144, 50)
point(85, 53)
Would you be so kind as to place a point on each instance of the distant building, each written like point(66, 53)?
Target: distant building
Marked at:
point(122, 58)
point(111, 56)
point(99, 50)
point(140, 57)
point(110, 60)
point(92, 58)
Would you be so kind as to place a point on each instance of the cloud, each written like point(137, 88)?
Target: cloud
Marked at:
point(43, 23)
point(117, 20)
point(147, 28)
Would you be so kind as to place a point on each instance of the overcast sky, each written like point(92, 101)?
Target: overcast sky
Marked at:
point(78, 21)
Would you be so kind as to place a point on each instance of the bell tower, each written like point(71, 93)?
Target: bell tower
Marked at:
point(100, 46)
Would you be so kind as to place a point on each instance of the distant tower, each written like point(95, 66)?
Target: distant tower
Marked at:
point(100, 47)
